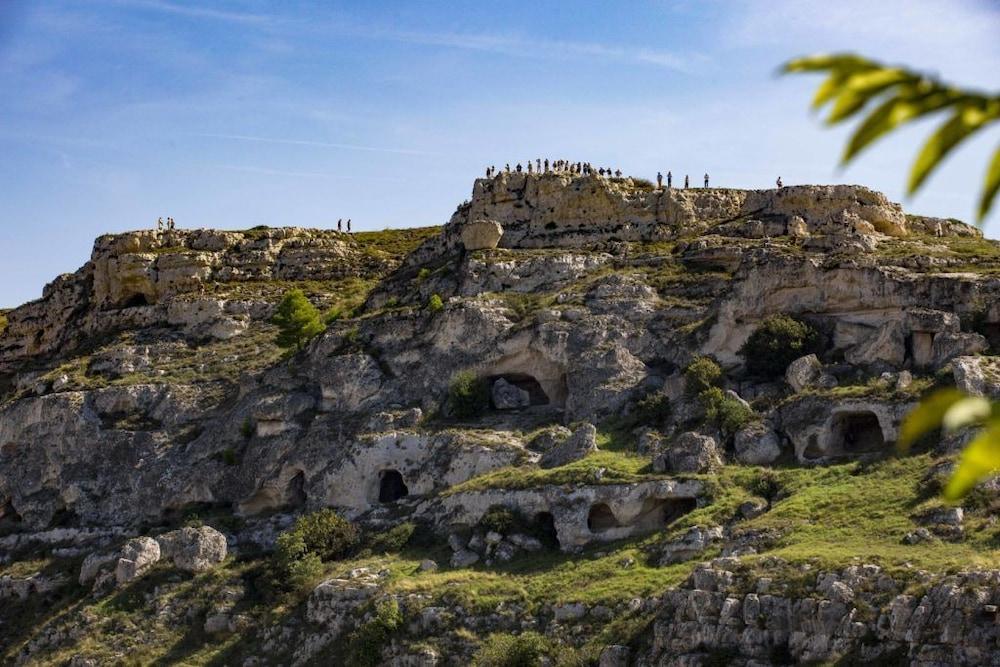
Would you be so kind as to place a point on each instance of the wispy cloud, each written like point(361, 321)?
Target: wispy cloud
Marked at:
point(318, 144)
point(513, 45)
point(196, 11)
point(267, 171)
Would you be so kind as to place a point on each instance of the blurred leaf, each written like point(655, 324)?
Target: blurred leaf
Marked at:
point(990, 188)
point(891, 114)
point(979, 459)
point(965, 121)
point(969, 410)
point(927, 416)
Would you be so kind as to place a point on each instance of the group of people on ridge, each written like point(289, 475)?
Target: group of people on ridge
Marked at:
point(160, 225)
point(340, 225)
point(558, 166)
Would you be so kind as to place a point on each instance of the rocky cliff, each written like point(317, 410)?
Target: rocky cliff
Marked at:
point(144, 396)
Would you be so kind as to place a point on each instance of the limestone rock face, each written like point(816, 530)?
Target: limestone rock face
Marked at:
point(482, 235)
point(978, 376)
point(947, 346)
point(689, 452)
point(580, 444)
point(193, 549)
point(803, 372)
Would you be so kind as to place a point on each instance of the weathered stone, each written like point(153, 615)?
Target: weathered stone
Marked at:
point(756, 444)
point(978, 376)
point(137, 556)
point(482, 235)
point(464, 558)
point(947, 346)
point(194, 549)
point(580, 444)
point(509, 397)
point(803, 372)
point(689, 452)
point(885, 345)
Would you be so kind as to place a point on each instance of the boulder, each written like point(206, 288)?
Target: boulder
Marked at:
point(482, 235)
point(464, 558)
point(692, 543)
point(803, 372)
point(978, 376)
point(137, 556)
point(194, 549)
point(580, 444)
point(756, 444)
point(509, 397)
point(948, 345)
point(689, 452)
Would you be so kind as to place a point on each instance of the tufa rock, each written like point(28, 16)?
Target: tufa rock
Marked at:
point(689, 452)
point(194, 549)
point(509, 397)
point(580, 444)
point(482, 235)
point(136, 558)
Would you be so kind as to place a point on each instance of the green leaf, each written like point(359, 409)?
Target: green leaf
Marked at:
point(895, 112)
point(862, 87)
point(835, 61)
point(966, 120)
point(980, 458)
point(968, 410)
point(927, 416)
point(990, 187)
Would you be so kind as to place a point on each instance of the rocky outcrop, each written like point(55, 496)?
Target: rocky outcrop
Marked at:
point(859, 613)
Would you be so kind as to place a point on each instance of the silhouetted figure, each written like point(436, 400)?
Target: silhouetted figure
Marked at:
point(538, 164)
point(618, 173)
point(340, 224)
point(546, 165)
point(706, 180)
point(686, 182)
point(170, 223)
point(348, 225)
point(507, 168)
point(519, 167)
point(670, 179)
point(600, 171)
point(530, 168)
point(159, 224)
point(659, 180)
point(779, 181)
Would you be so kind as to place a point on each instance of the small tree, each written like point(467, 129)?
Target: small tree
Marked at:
point(701, 374)
point(777, 342)
point(297, 319)
point(468, 395)
point(435, 304)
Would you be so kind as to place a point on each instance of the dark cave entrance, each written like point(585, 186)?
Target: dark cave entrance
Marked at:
point(391, 486)
point(295, 492)
point(857, 432)
point(136, 301)
point(674, 508)
point(601, 518)
point(545, 528)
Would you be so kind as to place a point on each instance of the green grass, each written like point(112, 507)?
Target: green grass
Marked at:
point(394, 243)
point(3, 321)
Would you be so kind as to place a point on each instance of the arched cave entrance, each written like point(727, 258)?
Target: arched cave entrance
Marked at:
point(856, 433)
point(295, 491)
point(601, 518)
point(812, 450)
point(391, 486)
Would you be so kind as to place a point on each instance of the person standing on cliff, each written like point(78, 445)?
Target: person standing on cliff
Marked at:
point(530, 167)
point(538, 164)
point(686, 182)
point(670, 179)
point(340, 224)
point(348, 225)
point(159, 224)
point(706, 180)
point(659, 180)
point(779, 181)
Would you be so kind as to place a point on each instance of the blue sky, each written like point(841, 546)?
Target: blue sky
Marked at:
point(234, 114)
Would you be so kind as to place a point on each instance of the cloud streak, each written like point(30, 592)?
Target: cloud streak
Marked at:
point(317, 144)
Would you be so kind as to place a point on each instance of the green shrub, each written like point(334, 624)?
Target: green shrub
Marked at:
point(701, 374)
point(368, 641)
point(423, 274)
point(392, 540)
point(653, 408)
point(499, 519)
point(297, 320)
point(468, 395)
point(316, 537)
point(506, 650)
point(435, 304)
point(246, 428)
point(777, 342)
point(3, 323)
point(728, 413)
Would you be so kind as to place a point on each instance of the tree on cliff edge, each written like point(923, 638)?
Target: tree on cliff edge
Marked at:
point(297, 319)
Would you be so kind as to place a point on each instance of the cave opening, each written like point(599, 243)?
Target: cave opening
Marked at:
point(857, 432)
point(136, 301)
point(527, 383)
point(601, 518)
point(391, 486)
point(295, 491)
point(545, 528)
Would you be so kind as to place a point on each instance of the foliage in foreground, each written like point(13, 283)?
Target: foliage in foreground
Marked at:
point(950, 410)
point(297, 320)
point(896, 96)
